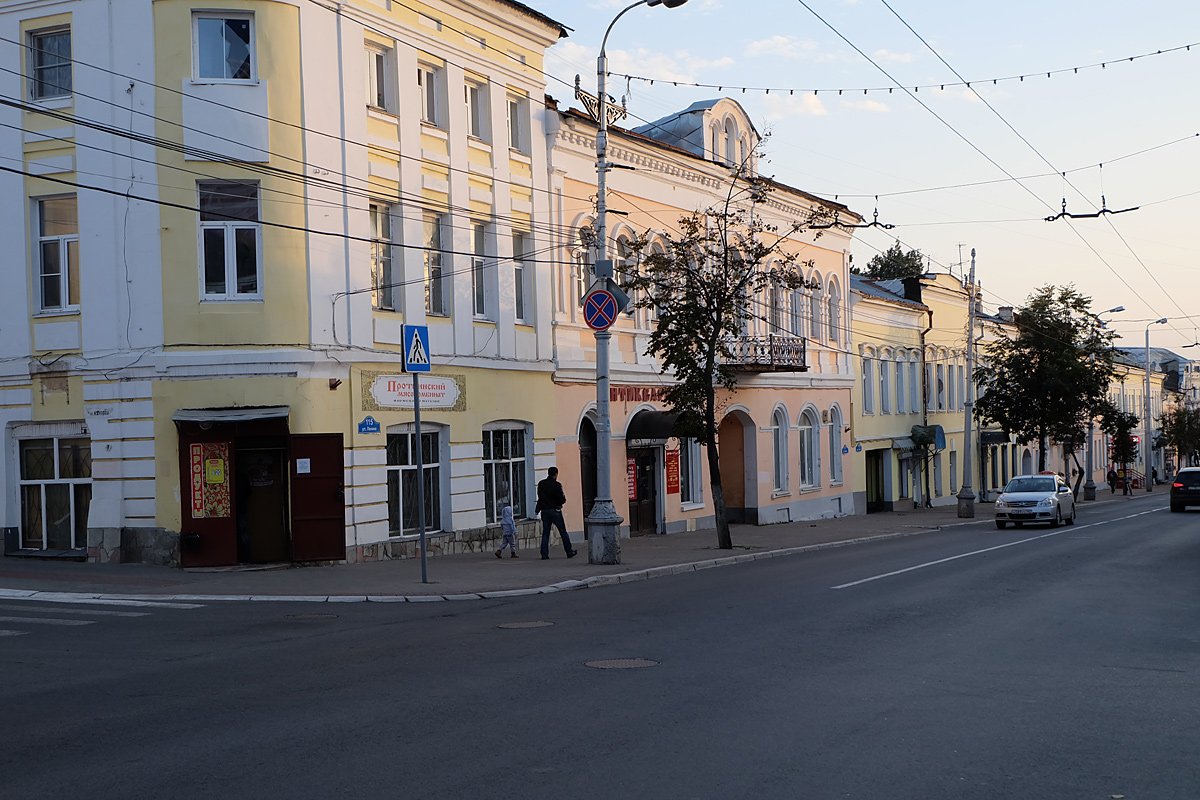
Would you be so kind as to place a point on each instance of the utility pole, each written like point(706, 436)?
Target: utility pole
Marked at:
point(966, 496)
point(1148, 424)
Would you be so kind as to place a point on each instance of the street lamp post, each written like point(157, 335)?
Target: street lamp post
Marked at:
point(1148, 426)
point(966, 496)
point(603, 522)
point(1089, 486)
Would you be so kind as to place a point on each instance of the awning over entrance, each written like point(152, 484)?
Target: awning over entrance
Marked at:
point(904, 443)
point(651, 426)
point(993, 437)
point(241, 414)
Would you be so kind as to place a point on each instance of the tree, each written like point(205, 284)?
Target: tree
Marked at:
point(1181, 429)
point(894, 263)
point(1045, 381)
point(703, 289)
point(1119, 426)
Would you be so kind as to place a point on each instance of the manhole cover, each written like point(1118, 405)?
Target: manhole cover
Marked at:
point(310, 617)
point(621, 663)
point(520, 625)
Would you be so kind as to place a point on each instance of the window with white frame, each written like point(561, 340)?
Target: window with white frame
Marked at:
point(518, 123)
point(49, 64)
point(520, 249)
point(868, 385)
point(690, 472)
point(429, 85)
point(962, 386)
point(479, 272)
point(223, 46)
point(731, 136)
point(797, 320)
point(715, 148)
point(885, 387)
point(814, 314)
point(475, 92)
point(58, 253)
point(901, 392)
point(230, 240)
point(941, 387)
point(930, 388)
point(505, 471)
point(833, 313)
point(779, 437)
point(381, 92)
point(952, 389)
point(809, 427)
point(625, 266)
point(775, 301)
point(382, 278)
point(55, 482)
point(581, 263)
point(435, 290)
point(835, 445)
point(914, 387)
point(402, 480)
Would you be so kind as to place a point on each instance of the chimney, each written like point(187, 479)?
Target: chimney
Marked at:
point(1005, 313)
point(912, 289)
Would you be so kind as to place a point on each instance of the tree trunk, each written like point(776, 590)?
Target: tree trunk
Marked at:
point(1042, 453)
point(724, 539)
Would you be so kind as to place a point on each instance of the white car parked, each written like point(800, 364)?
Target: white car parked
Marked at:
point(1035, 498)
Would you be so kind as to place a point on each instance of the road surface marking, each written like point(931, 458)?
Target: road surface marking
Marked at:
point(46, 621)
point(13, 633)
point(90, 612)
point(1062, 530)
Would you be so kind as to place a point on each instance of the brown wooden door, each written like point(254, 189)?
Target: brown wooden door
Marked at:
point(208, 535)
point(318, 497)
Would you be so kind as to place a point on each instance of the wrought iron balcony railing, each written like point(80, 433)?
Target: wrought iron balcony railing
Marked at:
point(770, 353)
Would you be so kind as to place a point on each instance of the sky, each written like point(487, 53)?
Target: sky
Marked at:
point(1016, 135)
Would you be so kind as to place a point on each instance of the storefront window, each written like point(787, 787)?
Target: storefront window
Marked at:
point(56, 490)
point(689, 471)
point(402, 481)
point(504, 472)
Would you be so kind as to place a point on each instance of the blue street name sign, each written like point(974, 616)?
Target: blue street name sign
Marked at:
point(369, 425)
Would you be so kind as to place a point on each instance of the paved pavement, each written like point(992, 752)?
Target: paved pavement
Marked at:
point(472, 576)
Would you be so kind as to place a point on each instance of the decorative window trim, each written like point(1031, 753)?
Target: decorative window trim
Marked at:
point(33, 82)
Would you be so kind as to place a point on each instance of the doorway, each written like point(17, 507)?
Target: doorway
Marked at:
point(587, 464)
point(261, 503)
point(876, 499)
point(643, 500)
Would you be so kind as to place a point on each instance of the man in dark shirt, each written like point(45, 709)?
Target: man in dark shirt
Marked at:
point(550, 501)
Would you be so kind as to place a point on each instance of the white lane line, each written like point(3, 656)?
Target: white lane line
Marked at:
point(87, 612)
point(13, 633)
point(47, 621)
point(1065, 529)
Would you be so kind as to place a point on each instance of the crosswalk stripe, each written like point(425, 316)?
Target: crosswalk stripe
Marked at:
point(45, 621)
point(13, 633)
point(90, 612)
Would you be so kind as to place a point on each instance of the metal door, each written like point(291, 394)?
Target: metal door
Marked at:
point(318, 497)
point(643, 509)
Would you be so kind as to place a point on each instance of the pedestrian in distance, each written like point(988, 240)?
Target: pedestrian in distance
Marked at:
point(1154, 476)
point(508, 527)
point(550, 502)
point(1111, 477)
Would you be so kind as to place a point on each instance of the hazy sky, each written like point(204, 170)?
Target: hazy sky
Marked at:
point(856, 146)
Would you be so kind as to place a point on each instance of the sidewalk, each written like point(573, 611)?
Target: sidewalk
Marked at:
point(474, 575)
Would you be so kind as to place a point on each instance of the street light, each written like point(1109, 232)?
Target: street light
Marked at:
point(1148, 427)
point(604, 524)
point(1089, 486)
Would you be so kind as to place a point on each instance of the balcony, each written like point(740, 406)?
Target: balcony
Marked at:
point(770, 353)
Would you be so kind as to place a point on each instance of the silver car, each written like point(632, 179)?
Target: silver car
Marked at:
point(1035, 498)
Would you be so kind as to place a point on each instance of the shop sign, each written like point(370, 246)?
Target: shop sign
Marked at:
point(672, 472)
point(214, 470)
point(207, 469)
point(636, 394)
point(631, 477)
point(396, 391)
point(369, 425)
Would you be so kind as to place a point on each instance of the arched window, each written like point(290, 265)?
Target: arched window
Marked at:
point(506, 469)
point(716, 143)
point(814, 313)
point(731, 137)
point(833, 303)
point(626, 266)
point(779, 433)
point(657, 249)
point(797, 313)
point(835, 444)
point(742, 150)
point(582, 258)
point(775, 299)
point(809, 425)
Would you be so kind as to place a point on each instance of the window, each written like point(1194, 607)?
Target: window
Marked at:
point(402, 481)
point(779, 433)
point(716, 143)
point(952, 389)
point(962, 386)
point(518, 123)
point(56, 489)
point(435, 292)
point(954, 472)
point(937, 475)
point(930, 389)
point(731, 136)
point(50, 64)
point(868, 386)
point(229, 240)
point(914, 387)
point(429, 80)
point(808, 449)
point(833, 313)
point(835, 445)
point(224, 47)
point(625, 268)
point(901, 393)
point(814, 314)
point(797, 314)
point(520, 247)
point(581, 263)
point(885, 388)
point(689, 472)
point(941, 387)
point(476, 95)
point(504, 472)
point(380, 93)
point(58, 253)
point(479, 294)
point(382, 278)
point(776, 309)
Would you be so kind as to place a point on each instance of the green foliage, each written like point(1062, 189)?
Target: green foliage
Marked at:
point(1181, 428)
point(1044, 381)
point(1119, 425)
point(894, 263)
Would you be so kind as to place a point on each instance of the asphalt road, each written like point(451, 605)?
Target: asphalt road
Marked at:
point(971, 663)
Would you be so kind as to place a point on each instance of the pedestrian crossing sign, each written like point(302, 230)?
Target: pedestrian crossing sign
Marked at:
point(415, 356)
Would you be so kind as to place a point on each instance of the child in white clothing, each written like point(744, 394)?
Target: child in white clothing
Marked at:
point(508, 527)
